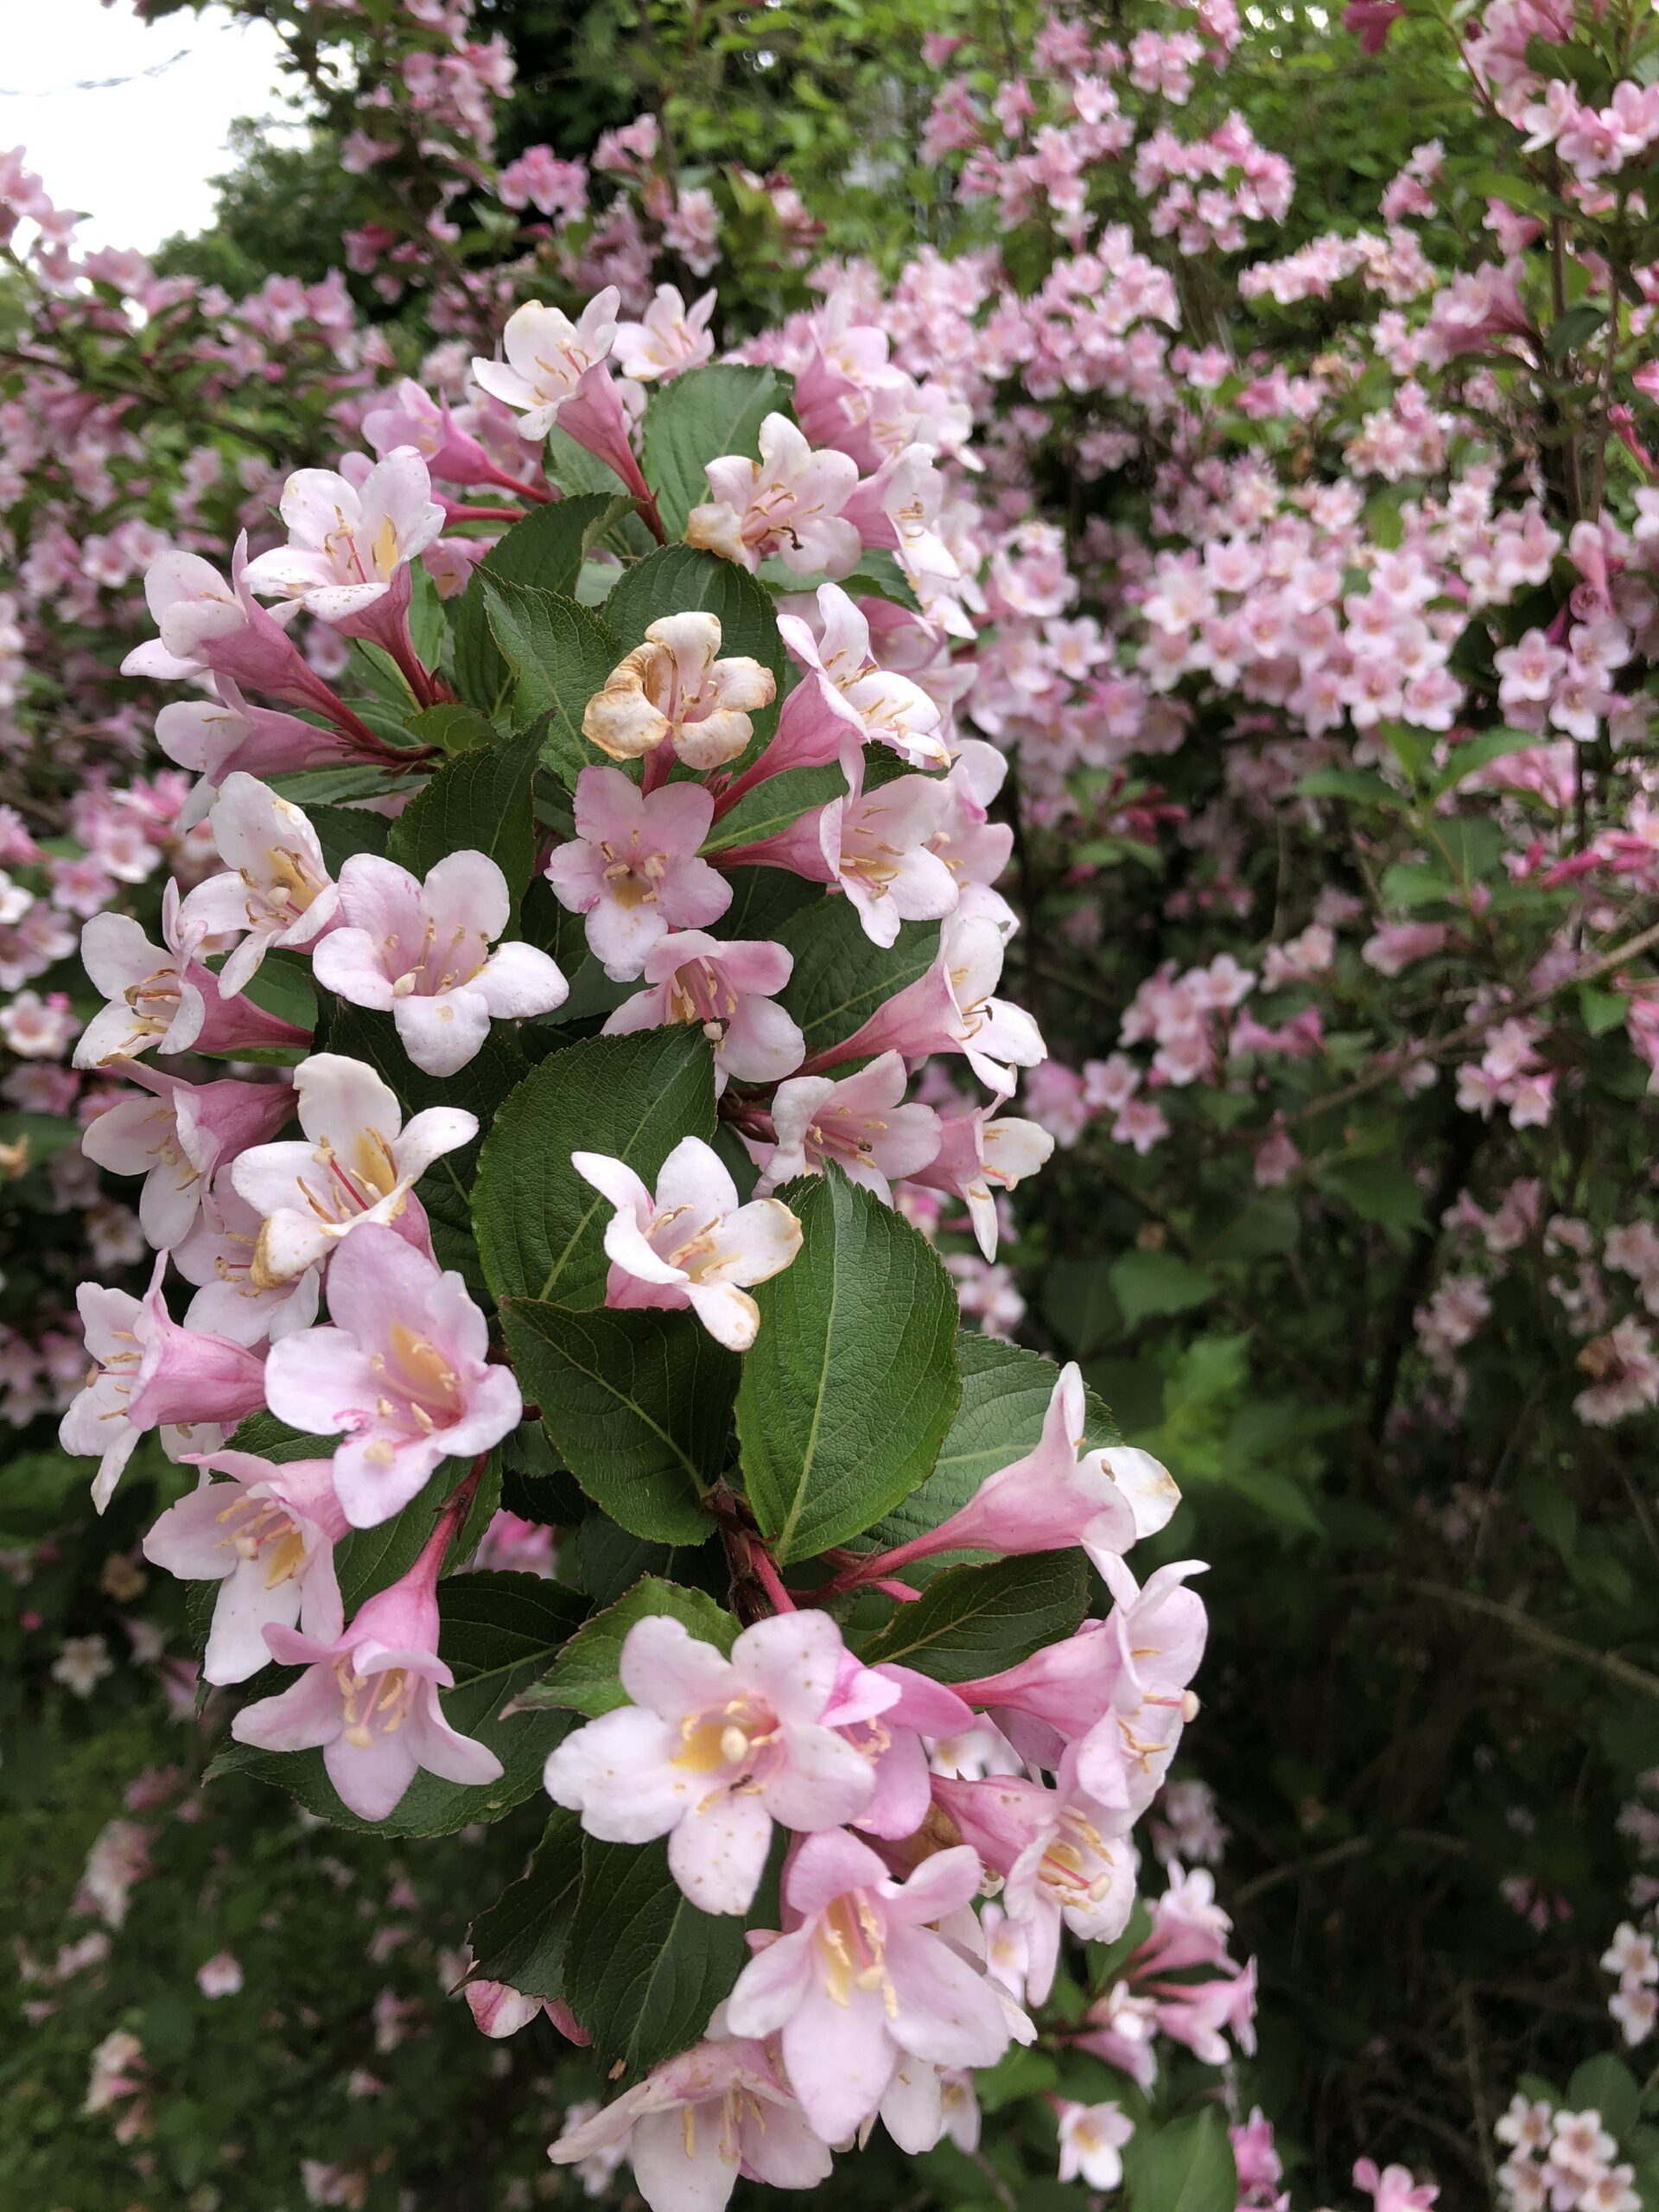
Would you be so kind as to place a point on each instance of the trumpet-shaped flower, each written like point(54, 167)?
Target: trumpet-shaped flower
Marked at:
point(369, 1695)
point(149, 1373)
point(673, 689)
point(162, 995)
point(348, 543)
point(220, 737)
point(421, 953)
point(862, 1981)
point(547, 355)
point(217, 1256)
point(276, 889)
point(873, 701)
point(671, 338)
point(712, 1751)
point(691, 1243)
point(952, 1009)
point(692, 2126)
point(860, 1121)
point(724, 984)
point(632, 866)
point(357, 1163)
point(977, 1157)
point(403, 1372)
point(789, 503)
point(266, 1537)
point(174, 1135)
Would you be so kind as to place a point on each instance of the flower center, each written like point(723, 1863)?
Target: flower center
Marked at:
point(373, 1704)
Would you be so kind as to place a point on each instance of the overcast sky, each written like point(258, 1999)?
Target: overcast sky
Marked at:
point(135, 154)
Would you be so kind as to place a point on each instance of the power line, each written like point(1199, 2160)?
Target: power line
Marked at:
point(92, 84)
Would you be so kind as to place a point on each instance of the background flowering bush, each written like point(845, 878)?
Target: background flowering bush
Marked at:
point(1228, 444)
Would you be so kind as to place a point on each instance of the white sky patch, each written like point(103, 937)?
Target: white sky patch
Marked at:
point(135, 155)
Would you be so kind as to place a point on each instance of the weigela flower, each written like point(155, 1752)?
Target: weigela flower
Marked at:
point(673, 689)
point(952, 1009)
point(421, 953)
point(218, 1258)
point(357, 1163)
point(278, 889)
point(404, 1371)
point(266, 1537)
point(1091, 2142)
point(174, 1135)
point(691, 1243)
point(693, 2125)
point(633, 868)
point(163, 996)
point(712, 1751)
point(787, 503)
point(547, 355)
point(858, 1121)
point(871, 702)
point(725, 985)
point(369, 1695)
point(149, 1373)
point(862, 1980)
point(671, 338)
point(349, 543)
point(978, 1156)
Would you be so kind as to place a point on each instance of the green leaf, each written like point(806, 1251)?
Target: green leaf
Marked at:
point(343, 831)
point(1147, 1283)
point(1601, 1011)
point(480, 802)
point(367, 1559)
point(773, 805)
point(840, 978)
point(699, 417)
point(584, 1676)
point(878, 576)
point(540, 1226)
point(852, 1382)
point(638, 1405)
point(1005, 1394)
point(1476, 751)
point(1363, 786)
point(520, 1939)
point(309, 787)
point(544, 550)
point(501, 1632)
point(1377, 1189)
point(971, 1621)
point(560, 654)
point(1570, 331)
point(683, 578)
point(454, 728)
point(1187, 2166)
point(643, 1967)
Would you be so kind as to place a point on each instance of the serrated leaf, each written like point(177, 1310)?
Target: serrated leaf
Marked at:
point(643, 1967)
point(519, 1940)
point(540, 1228)
point(478, 802)
point(309, 787)
point(1476, 751)
point(1362, 786)
point(454, 728)
point(683, 578)
point(1005, 1394)
point(638, 1405)
point(852, 1382)
point(584, 1676)
point(975, 1620)
point(499, 1633)
point(544, 550)
point(1185, 2166)
point(774, 806)
point(878, 576)
point(700, 416)
point(1148, 1283)
point(343, 831)
point(560, 654)
point(839, 977)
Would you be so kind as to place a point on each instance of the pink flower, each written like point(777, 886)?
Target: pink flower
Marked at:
point(861, 1980)
point(693, 2125)
point(977, 1157)
point(725, 985)
point(347, 543)
point(672, 689)
point(163, 998)
point(149, 1373)
point(691, 1245)
point(422, 953)
point(266, 1537)
point(1091, 2139)
point(712, 1751)
point(277, 887)
point(877, 845)
point(1393, 2190)
point(404, 1372)
point(369, 1695)
point(632, 868)
point(218, 737)
point(410, 417)
point(217, 1256)
point(671, 338)
point(860, 1121)
point(1371, 22)
point(547, 355)
point(871, 702)
point(356, 1163)
point(206, 623)
point(952, 1009)
point(787, 503)
point(174, 1135)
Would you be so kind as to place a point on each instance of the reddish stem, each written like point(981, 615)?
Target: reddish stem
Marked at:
point(767, 1574)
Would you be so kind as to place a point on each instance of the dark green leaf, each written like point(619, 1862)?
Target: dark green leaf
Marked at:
point(700, 416)
point(975, 1620)
point(519, 1940)
point(343, 831)
point(560, 654)
point(1146, 1283)
point(544, 550)
point(852, 1382)
point(584, 1676)
point(540, 1228)
point(480, 802)
point(774, 805)
point(840, 978)
point(1187, 2166)
point(638, 1405)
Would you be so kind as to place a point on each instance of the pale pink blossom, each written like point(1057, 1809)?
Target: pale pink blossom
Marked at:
point(670, 339)
point(175, 1134)
point(633, 868)
point(350, 544)
point(978, 1157)
point(277, 888)
point(861, 1122)
point(1091, 2143)
point(691, 1243)
point(547, 355)
point(788, 503)
point(725, 985)
point(421, 953)
point(163, 996)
